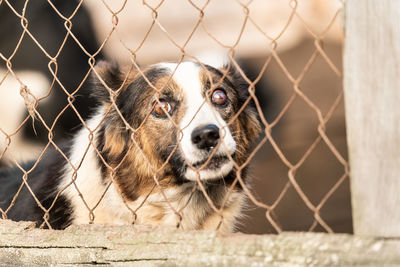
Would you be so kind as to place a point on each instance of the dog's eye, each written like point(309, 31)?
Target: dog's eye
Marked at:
point(219, 97)
point(161, 108)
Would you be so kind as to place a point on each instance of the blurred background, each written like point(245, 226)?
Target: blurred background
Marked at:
point(293, 49)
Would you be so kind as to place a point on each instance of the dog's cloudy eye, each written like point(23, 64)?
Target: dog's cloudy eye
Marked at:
point(162, 107)
point(219, 97)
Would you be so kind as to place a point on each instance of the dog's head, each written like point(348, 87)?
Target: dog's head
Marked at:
point(176, 122)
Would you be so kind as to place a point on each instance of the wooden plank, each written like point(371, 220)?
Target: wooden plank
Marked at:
point(143, 246)
point(372, 97)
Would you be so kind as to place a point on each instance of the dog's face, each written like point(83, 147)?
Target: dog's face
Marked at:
point(187, 122)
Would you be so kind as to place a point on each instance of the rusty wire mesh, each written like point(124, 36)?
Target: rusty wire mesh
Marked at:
point(298, 93)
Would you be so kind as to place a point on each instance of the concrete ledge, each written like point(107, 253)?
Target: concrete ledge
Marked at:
point(21, 244)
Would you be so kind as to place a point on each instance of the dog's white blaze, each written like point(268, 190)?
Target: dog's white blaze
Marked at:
point(199, 112)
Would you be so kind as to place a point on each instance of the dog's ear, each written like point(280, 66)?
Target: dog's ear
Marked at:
point(105, 77)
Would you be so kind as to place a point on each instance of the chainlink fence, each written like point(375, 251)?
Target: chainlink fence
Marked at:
point(298, 166)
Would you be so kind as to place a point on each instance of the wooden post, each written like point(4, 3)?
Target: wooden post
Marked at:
point(372, 97)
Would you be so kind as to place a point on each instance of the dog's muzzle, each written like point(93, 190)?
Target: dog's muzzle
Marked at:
point(205, 138)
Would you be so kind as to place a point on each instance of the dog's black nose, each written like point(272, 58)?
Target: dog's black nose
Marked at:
point(206, 137)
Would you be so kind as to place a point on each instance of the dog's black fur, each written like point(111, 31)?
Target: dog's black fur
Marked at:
point(43, 181)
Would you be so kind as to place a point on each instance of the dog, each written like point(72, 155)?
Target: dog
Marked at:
point(164, 147)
